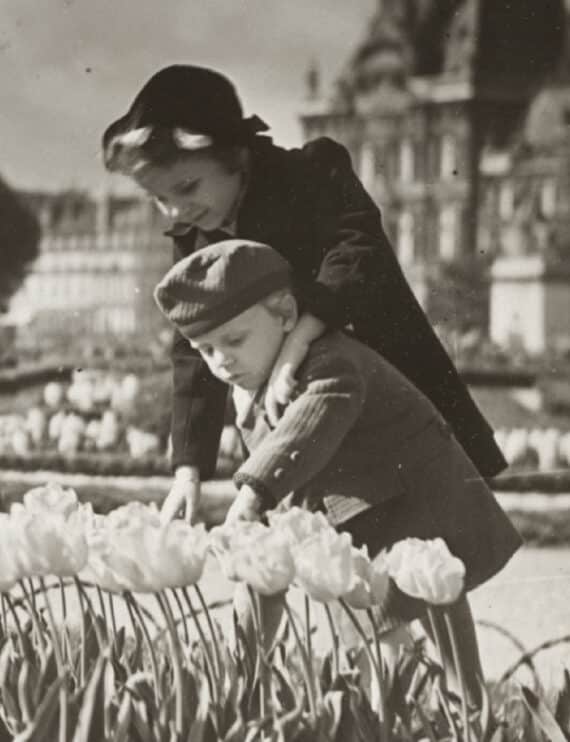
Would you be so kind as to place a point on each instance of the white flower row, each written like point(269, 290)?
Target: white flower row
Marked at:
point(51, 533)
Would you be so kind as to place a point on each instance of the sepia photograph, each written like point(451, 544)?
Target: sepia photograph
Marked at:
point(285, 371)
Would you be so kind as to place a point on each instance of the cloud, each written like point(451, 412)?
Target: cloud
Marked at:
point(69, 67)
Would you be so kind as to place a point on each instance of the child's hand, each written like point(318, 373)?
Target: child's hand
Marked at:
point(184, 495)
point(282, 382)
point(246, 506)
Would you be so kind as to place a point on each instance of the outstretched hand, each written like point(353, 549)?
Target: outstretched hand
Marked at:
point(246, 507)
point(184, 496)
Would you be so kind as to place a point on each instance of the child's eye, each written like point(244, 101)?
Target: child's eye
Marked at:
point(234, 342)
point(185, 188)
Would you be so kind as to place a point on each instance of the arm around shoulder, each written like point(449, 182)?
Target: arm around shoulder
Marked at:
point(329, 400)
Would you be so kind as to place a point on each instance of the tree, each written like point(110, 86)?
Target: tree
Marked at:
point(19, 242)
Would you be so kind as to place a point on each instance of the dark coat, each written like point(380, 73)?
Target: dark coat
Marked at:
point(358, 437)
point(310, 206)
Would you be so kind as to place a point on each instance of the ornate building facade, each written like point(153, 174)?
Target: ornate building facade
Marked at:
point(457, 117)
point(99, 260)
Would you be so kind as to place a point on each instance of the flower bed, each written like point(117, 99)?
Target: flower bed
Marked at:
point(172, 675)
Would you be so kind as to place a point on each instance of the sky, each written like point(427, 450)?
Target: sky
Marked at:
point(70, 67)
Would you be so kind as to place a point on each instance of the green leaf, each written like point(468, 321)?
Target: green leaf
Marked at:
point(542, 716)
point(47, 675)
point(330, 720)
point(25, 679)
point(40, 730)
point(198, 728)
point(119, 643)
point(108, 694)
point(562, 710)
point(90, 725)
point(123, 720)
point(141, 722)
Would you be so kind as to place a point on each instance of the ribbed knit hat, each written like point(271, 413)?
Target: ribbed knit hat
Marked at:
point(218, 282)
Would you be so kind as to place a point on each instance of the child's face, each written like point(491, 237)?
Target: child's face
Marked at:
point(197, 190)
point(242, 352)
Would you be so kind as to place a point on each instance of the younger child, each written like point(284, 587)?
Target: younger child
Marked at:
point(357, 441)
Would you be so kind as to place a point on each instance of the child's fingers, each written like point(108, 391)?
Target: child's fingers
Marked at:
point(272, 407)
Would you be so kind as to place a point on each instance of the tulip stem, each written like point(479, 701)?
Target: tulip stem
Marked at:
point(110, 601)
point(83, 661)
point(94, 617)
point(133, 605)
point(209, 662)
point(261, 662)
point(376, 663)
point(334, 639)
point(305, 661)
point(382, 712)
point(65, 640)
point(61, 670)
point(5, 597)
point(176, 652)
point(102, 604)
point(34, 616)
point(460, 674)
point(4, 616)
point(182, 616)
point(215, 641)
point(438, 639)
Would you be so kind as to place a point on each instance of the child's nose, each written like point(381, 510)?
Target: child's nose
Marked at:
point(223, 360)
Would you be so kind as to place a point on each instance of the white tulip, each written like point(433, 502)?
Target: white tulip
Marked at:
point(53, 394)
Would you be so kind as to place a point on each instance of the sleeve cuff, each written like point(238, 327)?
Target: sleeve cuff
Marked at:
point(268, 500)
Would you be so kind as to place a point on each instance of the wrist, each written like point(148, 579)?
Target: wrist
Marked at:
point(187, 474)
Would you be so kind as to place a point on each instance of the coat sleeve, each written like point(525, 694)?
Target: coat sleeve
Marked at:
point(198, 406)
point(309, 432)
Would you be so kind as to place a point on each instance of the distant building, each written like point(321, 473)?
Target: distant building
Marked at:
point(457, 117)
point(100, 258)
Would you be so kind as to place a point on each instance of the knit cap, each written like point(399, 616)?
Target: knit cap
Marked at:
point(218, 282)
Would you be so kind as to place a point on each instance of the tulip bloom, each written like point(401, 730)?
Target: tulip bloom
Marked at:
point(426, 570)
point(9, 571)
point(265, 564)
point(298, 524)
point(228, 540)
point(323, 565)
point(370, 580)
point(47, 544)
point(132, 550)
point(51, 499)
point(177, 556)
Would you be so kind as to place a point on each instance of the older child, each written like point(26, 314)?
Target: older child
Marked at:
point(357, 441)
point(185, 140)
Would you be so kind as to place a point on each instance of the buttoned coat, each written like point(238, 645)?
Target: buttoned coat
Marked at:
point(309, 205)
point(359, 435)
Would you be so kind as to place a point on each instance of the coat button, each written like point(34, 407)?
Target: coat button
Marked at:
point(278, 473)
point(294, 455)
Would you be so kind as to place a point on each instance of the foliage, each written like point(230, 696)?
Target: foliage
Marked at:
point(172, 675)
point(19, 242)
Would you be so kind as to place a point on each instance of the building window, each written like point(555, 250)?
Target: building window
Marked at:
point(447, 232)
point(506, 201)
point(406, 241)
point(548, 198)
point(448, 157)
point(406, 161)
